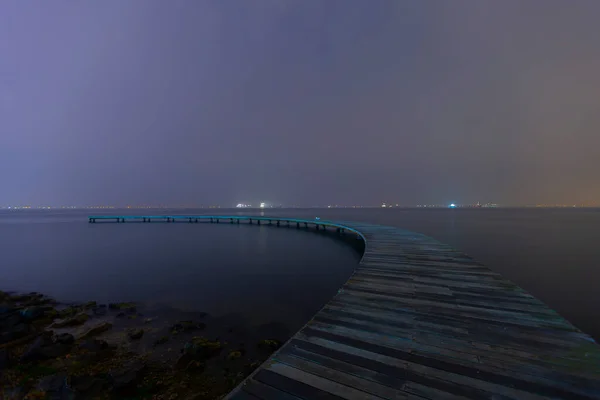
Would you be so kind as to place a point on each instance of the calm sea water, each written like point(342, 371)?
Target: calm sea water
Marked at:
point(268, 274)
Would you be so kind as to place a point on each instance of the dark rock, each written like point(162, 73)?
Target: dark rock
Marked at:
point(136, 334)
point(76, 320)
point(202, 348)
point(15, 332)
point(89, 305)
point(18, 392)
point(189, 362)
point(5, 308)
point(11, 319)
point(67, 312)
point(55, 387)
point(186, 326)
point(269, 344)
point(38, 299)
point(88, 386)
point(161, 340)
point(128, 376)
point(100, 310)
point(32, 313)
point(44, 348)
point(94, 351)
point(94, 345)
point(64, 338)
point(4, 359)
point(21, 298)
point(96, 329)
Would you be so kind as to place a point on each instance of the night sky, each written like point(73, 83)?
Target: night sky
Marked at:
point(299, 102)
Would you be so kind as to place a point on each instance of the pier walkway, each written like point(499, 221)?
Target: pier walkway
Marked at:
point(420, 320)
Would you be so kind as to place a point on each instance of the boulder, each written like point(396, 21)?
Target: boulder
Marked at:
point(87, 386)
point(55, 387)
point(189, 362)
point(67, 312)
point(102, 310)
point(64, 338)
point(269, 344)
point(32, 313)
point(94, 351)
point(4, 359)
point(127, 377)
point(94, 345)
point(79, 319)
point(14, 332)
point(5, 308)
point(161, 340)
point(44, 348)
point(135, 334)
point(96, 330)
point(89, 305)
point(201, 348)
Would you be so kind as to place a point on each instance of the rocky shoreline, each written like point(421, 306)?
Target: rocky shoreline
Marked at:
point(50, 350)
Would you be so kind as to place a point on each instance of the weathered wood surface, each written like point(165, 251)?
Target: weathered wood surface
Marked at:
point(420, 320)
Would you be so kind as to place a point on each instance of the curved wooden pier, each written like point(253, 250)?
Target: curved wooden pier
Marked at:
point(420, 320)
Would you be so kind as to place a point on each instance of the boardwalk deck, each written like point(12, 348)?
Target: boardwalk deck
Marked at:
point(419, 320)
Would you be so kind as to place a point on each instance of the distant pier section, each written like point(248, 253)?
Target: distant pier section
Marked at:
point(419, 320)
point(232, 219)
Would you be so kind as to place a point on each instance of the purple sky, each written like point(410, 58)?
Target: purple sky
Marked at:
point(304, 102)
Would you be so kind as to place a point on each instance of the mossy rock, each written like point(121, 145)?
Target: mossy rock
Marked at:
point(269, 344)
point(67, 312)
point(76, 320)
point(202, 348)
point(89, 305)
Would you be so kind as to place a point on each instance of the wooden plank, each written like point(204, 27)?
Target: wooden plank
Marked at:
point(335, 375)
point(445, 381)
point(265, 392)
point(318, 382)
point(292, 386)
point(485, 378)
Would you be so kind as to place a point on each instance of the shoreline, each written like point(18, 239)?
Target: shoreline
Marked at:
point(56, 350)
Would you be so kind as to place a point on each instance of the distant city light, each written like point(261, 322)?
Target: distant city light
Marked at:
point(241, 205)
point(262, 205)
point(452, 205)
